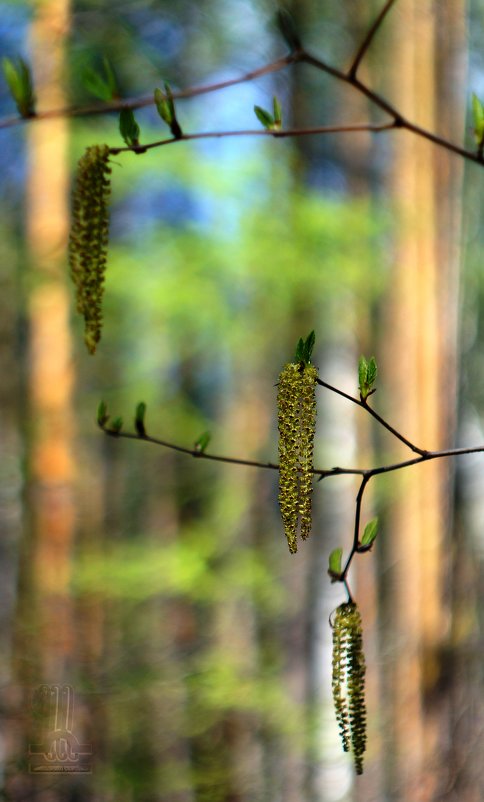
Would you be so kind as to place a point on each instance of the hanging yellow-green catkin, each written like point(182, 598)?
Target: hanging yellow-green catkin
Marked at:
point(88, 240)
point(296, 405)
point(348, 681)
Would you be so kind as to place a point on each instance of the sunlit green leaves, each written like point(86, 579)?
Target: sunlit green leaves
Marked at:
point(334, 569)
point(165, 106)
point(202, 442)
point(129, 128)
point(271, 122)
point(102, 414)
point(367, 373)
point(19, 79)
point(478, 118)
point(139, 419)
point(277, 112)
point(304, 349)
point(116, 425)
point(369, 535)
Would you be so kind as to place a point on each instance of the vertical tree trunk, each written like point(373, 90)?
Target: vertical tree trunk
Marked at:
point(51, 376)
point(420, 356)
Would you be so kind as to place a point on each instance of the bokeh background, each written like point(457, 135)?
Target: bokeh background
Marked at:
point(160, 587)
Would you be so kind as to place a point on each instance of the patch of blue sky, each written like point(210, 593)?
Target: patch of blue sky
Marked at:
point(219, 178)
point(14, 18)
point(13, 28)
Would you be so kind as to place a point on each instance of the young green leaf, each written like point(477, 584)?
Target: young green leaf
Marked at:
point(277, 113)
point(369, 535)
point(116, 425)
point(128, 127)
point(202, 442)
point(19, 79)
point(299, 355)
point(264, 117)
point(334, 569)
point(362, 373)
point(102, 414)
point(372, 372)
point(367, 373)
point(304, 349)
point(308, 346)
point(478, 115)
point(139, 419)
point(104, 87)
point(165, 106)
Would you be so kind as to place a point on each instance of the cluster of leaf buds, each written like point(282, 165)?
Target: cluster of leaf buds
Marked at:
point(19, 79)
point(165, 106)
point(348, 681)
point(89, 238)
point(297, 424)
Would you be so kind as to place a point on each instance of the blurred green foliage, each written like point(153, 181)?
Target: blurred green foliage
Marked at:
point(185, 610)
point(200, 307)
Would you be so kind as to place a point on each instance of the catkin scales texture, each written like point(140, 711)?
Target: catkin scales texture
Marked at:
point(348, 681)
point(88, 241)
point(296, 404)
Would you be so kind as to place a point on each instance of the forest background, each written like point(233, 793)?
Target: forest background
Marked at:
point(158, 586)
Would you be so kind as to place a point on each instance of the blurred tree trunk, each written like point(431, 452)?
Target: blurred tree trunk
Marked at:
point(52, 469)
point(334, 508)
point(419, 376)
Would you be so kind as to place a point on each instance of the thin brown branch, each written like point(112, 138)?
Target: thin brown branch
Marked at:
point(147, 100)
point(369, 38)
point(356, 531)
point(350, 78)
point(424, 457)
point(194, 452)
point(319, 64)
point(290, 132)
point(364, 405)
point(392, 430)
point(398, 120)
point(367, 473)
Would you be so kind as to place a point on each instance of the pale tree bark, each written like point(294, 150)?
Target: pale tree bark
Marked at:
point(418, 370)
point(51, 372)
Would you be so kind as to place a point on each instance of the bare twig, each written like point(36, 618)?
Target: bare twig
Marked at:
point(350, 78)
point(290, 132)
point(398, 120)
point(356, 531)
point(147, 100)
point(369, 39)
point(368, 473)
point(364, 404)
point(194, 452)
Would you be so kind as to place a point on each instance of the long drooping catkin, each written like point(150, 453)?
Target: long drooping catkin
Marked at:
point(348, 681)
point(296, 405)
point(89, 235)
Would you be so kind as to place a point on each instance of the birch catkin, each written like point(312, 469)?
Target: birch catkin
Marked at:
point(348, 682)
point(88, 240)
point(296, 405)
